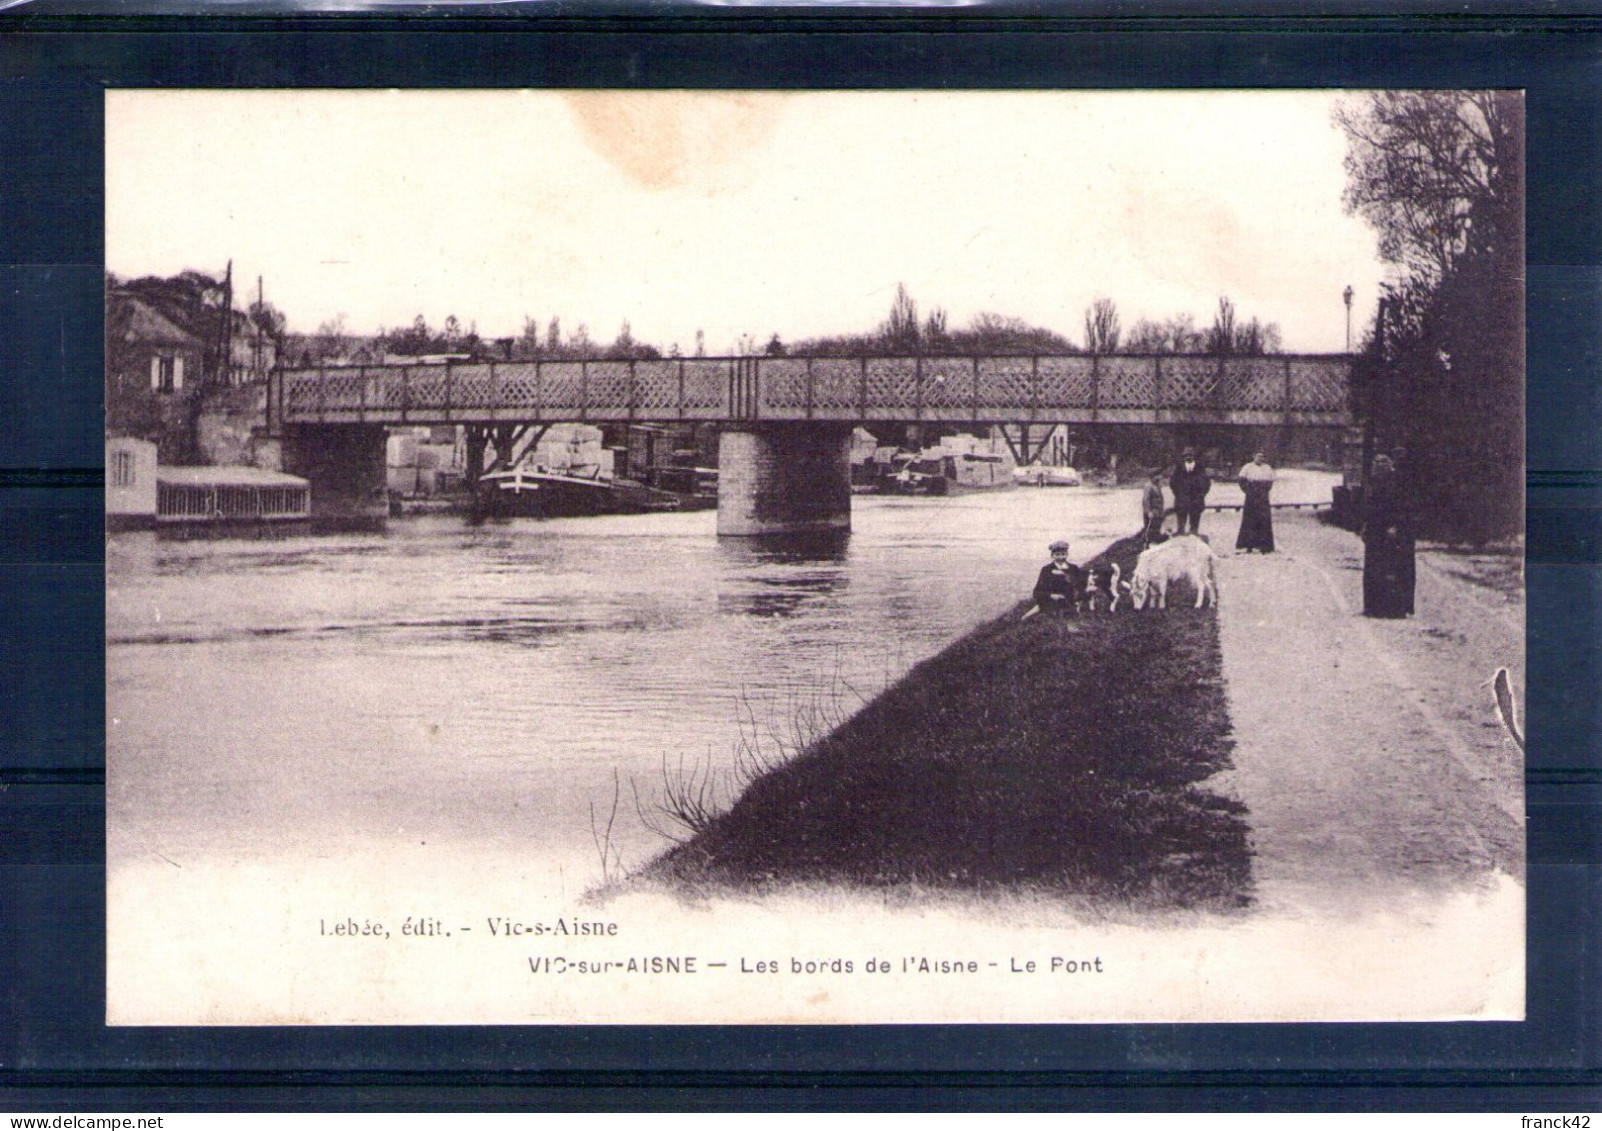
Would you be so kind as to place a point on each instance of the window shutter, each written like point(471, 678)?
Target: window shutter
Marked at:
point(178, 372)
point(155, 371)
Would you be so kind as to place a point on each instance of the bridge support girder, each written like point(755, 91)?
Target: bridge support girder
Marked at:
point(784, 478)
point(345, 465)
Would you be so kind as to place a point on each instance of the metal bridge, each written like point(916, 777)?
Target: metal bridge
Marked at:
point(1280, 389)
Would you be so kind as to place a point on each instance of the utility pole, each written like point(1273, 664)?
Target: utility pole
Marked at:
point(261, 305)
point(225, 329)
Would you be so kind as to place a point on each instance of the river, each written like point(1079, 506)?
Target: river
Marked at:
point(485, 686)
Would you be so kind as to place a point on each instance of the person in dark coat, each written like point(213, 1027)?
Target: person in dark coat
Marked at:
point(1190, 485)
point(1061, 584)
point(1256, 515)
point(1388, 568)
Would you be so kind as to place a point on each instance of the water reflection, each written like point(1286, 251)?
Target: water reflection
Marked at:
point(788, 549)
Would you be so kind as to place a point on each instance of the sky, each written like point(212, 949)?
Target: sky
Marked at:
point(752, 213)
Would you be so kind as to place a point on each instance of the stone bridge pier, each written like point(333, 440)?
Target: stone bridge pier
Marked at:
point(784, 478)
point(345, 464)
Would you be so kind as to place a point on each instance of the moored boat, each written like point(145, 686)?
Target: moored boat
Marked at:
point(948, 473)
point(550, 493)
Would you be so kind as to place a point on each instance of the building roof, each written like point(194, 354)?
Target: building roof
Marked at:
point(226, 477)
point(146, 323)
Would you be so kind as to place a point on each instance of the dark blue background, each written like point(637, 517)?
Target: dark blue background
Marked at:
point(55, 1053)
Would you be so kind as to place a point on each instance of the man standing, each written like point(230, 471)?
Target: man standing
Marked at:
point(1190, 486)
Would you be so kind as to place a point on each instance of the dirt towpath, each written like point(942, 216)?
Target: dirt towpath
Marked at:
point(1367, 751)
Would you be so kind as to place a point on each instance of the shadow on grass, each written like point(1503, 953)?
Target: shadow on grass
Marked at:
point(1053, 754)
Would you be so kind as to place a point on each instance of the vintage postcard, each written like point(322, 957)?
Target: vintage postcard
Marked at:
point(814, 557)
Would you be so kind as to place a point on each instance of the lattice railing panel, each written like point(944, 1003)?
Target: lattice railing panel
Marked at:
point(1065, 382)
point(947, 384)
point(656, 387)
point(706, 388)
point(387, 389)
point(340, 392)
point(517, 387)
point(836, 385)
point(783, 381)
point(1253, 384)
point(609, 385)
point(1006, 384)
point(1126, 382)
point(829, 388)
point(1189, 382)
point(892, 386)
point(473, 389)
point(1321, 385)
point(561, 389)
point(429, 387)
point(300, 392)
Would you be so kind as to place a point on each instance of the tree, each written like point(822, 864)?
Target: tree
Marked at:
point(775, 347)
point(900, 329)
point(1221, 337)
point(528, 342)
point(269, 320)
point(333, 338)
point(553, 333)
point(934, 327)
point(1146, 336)
point(1183, 337)
point(1439, 175)
point(1101, 327)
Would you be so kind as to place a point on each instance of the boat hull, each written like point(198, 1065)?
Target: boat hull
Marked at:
point(538, 495)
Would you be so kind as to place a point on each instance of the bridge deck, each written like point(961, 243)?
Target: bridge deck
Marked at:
point(1120, 388)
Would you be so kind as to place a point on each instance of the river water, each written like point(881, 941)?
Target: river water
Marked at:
point(449, 683)
point(496, 688)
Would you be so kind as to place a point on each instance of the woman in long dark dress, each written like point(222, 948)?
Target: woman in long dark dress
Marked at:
point(1387, 544)
point(1257, 515)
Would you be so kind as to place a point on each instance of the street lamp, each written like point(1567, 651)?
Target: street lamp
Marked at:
point(1347, 295)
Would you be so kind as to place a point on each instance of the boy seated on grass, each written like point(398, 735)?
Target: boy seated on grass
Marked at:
point(1061, 585)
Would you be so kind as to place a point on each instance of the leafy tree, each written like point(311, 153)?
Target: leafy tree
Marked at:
point(775, 347)
point(1439, 175)
point(934, 326)
point(269, 320)
point(1101, 327)
point(553, 334)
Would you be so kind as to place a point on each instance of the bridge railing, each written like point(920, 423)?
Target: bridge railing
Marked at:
point(1047, 387)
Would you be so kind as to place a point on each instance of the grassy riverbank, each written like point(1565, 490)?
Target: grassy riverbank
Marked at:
point(1054, 754)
